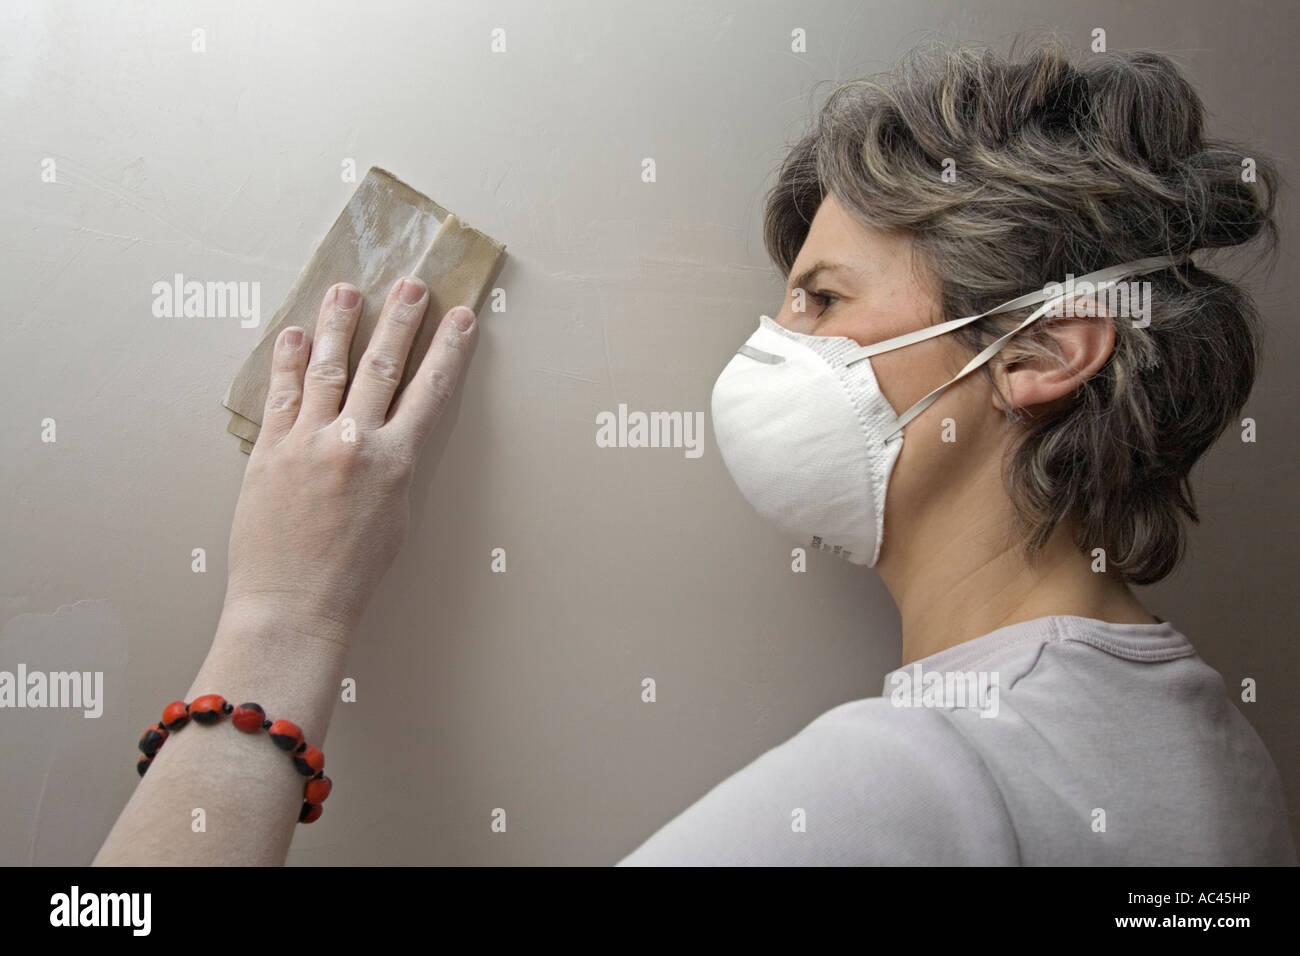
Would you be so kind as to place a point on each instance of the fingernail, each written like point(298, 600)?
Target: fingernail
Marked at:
point(347, 298)
point(462, 318)
point(293, 338)
point(412, 291)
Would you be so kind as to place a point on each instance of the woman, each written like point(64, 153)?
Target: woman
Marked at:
point(1009, 478)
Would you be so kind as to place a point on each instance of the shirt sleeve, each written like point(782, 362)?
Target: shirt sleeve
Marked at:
point(867, 783)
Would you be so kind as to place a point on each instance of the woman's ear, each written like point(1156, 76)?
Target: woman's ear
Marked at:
point(1083, 342)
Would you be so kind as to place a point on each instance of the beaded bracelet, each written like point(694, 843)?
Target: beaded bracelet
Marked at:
point(250, 718)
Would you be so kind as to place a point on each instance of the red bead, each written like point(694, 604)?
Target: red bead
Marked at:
point(209, 708)
point(286, 734)
point(318, 789)
point(248, 718)
point(152, 739)
point(310, 812)
point(175, 715)
point(310, 762)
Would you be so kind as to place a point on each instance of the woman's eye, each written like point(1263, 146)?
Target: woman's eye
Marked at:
point(821, 300)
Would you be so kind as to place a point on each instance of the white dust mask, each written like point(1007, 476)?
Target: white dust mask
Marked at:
point(811, 440)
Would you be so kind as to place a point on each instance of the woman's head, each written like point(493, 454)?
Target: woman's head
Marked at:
point(964, 180)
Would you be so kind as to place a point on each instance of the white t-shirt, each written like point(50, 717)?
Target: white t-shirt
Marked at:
point(1104, 744)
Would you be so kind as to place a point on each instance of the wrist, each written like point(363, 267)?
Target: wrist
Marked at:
point(288, 663)
point(281, 624)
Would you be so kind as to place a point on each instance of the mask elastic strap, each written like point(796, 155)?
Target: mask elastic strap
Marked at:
point(1107, 276)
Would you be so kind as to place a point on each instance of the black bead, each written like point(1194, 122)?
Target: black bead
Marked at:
point(150, 741)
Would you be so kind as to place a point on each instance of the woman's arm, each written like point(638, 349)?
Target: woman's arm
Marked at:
point(323, 510)
point(247, 787)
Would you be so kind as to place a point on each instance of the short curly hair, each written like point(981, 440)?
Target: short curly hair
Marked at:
point(1062, 169)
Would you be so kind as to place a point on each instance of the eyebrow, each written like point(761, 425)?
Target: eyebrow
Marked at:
point(805, 278)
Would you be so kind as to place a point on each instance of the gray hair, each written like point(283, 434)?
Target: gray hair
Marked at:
point(1062, 169)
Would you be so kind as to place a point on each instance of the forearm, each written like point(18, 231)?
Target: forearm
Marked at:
point(247, 787)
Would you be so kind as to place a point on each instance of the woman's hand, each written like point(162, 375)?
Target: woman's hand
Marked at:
point(324, 507)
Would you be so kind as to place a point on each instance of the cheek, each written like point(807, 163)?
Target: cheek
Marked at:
point(909, 374)
point(905, 376)
point(938, 440)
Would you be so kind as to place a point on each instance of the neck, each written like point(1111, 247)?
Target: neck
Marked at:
point(951, 588)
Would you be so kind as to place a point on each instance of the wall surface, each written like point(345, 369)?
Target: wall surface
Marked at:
point(522, 690)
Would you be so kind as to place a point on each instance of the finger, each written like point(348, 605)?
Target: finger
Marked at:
point(425, 397)
point(284, 389)
point(380, 370)
point(327, 372)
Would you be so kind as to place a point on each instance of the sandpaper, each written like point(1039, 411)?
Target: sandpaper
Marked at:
point(386, 231)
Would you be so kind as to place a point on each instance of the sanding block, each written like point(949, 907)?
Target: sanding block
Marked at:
point(386, 231)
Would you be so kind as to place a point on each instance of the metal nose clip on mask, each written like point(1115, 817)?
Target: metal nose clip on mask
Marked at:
point(810, 439)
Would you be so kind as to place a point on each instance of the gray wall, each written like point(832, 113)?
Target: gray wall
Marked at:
point(519, 690)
